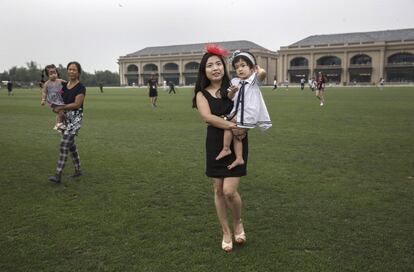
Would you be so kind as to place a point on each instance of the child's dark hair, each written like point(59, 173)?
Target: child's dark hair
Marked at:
point(77, 64)
point(46, 71)
point(246, 59)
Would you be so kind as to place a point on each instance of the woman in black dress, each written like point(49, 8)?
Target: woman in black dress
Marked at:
point(152, 84)
point(212, 103)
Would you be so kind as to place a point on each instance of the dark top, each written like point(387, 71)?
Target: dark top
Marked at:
point(69, 95)
point(73, 117)
point(9, 86)
point(152, 84)
point(214, 142)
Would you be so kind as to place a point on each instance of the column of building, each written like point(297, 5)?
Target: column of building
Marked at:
point(346, 65)
point(181, 70)
point(381, 65)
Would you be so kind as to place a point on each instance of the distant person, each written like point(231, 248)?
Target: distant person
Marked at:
point(73, 96)
point(10, 87)
point(52, 94)
point(381, 83)
point(310, 82)
point(274, 84)
point(164, 85)
point(313, 85)
point(320, 83)
point(101, 87)
point(172, 89)
point(287, 84)
point(302, 83)
point(153, 94)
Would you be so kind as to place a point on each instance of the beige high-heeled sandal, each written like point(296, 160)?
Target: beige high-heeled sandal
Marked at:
point(227, 247)
point(240, 238)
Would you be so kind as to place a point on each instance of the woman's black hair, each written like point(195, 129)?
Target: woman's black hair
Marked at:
point(246, 59)
point(202, 80)
point(77, 64)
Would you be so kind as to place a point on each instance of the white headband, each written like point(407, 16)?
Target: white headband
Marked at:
point(247, 55)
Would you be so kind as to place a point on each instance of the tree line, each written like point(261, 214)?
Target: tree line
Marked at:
point(32, 73)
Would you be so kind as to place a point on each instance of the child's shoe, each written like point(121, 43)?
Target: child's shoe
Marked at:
point(61, 126)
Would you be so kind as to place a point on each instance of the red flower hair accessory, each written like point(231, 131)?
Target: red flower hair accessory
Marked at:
point(215, 49)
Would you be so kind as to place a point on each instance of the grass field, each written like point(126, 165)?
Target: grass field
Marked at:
point(328, 188)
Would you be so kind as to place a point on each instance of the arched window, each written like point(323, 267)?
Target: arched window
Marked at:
point(171, 67)
point(132, 68)
point(401, 58)
point(361, 59)
point(192, 66)
point(329, 60)
point(150, 68)
point(299, 61)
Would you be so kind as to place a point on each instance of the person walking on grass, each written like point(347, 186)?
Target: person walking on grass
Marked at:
point(9, 88)
point(320, 89)
point(172, 89)
point(302, 83)
point(152, 93)
point(381, 84)
point(211, 101)
point(73, 96)
point(274, 84)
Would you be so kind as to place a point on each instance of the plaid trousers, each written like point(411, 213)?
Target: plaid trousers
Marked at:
point(67, 144)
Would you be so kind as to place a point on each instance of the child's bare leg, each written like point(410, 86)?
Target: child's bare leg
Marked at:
point(238, 151)
point(228, 136)
point(59, 117)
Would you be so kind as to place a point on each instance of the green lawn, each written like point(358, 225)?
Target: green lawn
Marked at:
point(328, 188)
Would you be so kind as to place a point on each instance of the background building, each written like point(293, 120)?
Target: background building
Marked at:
point(361, 58)
point(180, 63)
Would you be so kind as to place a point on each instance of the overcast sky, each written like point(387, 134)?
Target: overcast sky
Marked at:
point(97, 32)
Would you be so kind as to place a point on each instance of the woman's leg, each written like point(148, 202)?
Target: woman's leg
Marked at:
point(233, 201)
point(65, 143)
point(76, 159)
point(221, 209)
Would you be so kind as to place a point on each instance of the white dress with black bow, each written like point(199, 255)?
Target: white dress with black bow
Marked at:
point(249, 107)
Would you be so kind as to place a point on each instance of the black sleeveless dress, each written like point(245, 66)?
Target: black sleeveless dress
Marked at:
point(214, 143)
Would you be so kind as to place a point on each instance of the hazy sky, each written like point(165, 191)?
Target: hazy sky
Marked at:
point(97, 32)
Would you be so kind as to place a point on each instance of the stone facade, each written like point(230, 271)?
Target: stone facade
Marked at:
point(362, 58)
point(349, 58)
point(180, 63)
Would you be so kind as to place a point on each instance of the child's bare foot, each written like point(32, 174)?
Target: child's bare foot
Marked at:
point(223, 154)
point(237, 162)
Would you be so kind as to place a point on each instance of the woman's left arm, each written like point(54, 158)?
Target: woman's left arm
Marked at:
point(261, 73)
point(72, 106)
